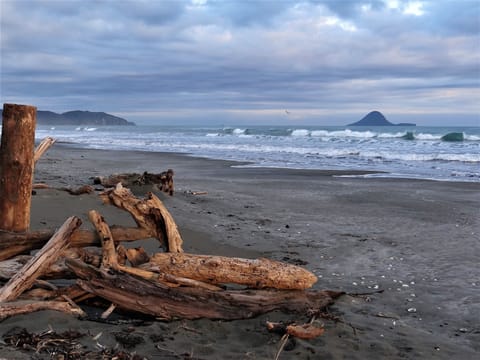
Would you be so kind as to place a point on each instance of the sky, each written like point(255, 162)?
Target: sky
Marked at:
point(317, 62)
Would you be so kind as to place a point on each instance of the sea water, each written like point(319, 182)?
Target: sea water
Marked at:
point(409, 152)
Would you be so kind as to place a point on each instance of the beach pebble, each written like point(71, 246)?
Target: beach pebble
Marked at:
point(412, 310)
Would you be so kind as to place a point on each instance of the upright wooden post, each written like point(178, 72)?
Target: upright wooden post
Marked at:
point(16, 166)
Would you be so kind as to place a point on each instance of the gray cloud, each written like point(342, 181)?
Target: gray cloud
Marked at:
point(128, 56)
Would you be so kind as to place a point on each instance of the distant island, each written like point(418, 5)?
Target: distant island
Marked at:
point(376, 118)
point(80, 118)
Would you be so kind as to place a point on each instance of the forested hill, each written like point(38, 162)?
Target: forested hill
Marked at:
point(80, 118)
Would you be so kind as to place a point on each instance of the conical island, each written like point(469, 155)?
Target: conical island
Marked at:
point(376, 118)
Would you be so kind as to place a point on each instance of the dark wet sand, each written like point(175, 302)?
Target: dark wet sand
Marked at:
point(416, 240)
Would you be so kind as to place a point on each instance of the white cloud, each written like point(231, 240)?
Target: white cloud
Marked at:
point(414, 8)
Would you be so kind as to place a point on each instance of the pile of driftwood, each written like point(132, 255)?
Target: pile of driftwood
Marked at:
point(162, 181)
point(166, 285)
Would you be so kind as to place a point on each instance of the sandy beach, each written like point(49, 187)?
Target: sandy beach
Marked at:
point(417, 240)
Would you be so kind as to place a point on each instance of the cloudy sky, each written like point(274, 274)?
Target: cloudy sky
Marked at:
point(327, 62)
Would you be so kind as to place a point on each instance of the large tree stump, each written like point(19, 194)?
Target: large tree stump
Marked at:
point(16, 166)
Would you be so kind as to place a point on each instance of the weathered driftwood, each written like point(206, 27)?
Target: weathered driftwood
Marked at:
point(58, 270)
point(41, 186)
point(305, 331)
point(16, 166)
point(137, 256)
point(140, 295)
point(85, 189)
point(257, 273)
point(43, 147)
point(164, 180)
point(167, 280)
point(40, 263)
point(82, 238)
point(37, 294)
point(10, 267)
point(73, 292)
point(149, 214)
point(12, 244)
point(8, 309)
point(109, 259)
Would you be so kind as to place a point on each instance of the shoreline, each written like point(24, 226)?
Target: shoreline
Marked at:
point(417, 240)
point(364, 173)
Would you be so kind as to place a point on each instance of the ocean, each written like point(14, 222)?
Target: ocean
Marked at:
point(437, 153)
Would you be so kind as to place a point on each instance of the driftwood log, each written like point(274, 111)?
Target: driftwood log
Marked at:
point(149, 214)
point(164, 180)
point(40, 263)
point(43, 147)
point(12, 244)
point(26, 307)
point(58, 270)
point(140, 295)
point(256, 273)
point(109, 259)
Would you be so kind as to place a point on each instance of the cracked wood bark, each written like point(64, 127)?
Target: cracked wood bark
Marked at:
point(149, 214)
point(258, 273)
point(12, 244)
point(139, 295)
point(16, 166)
point(41, 262)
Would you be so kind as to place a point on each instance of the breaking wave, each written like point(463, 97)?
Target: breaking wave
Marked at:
point(420, 152)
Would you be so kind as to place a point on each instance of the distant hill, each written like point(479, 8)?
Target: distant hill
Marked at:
point(376, 118)
point(80, 118)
